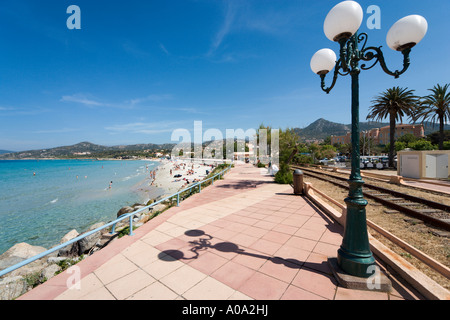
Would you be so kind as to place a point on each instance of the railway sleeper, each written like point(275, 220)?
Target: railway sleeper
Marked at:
point(440, 233)
point(409, 204)
point(413, 221)
point(429, 211)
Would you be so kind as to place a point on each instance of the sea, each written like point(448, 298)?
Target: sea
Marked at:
point(42, 200)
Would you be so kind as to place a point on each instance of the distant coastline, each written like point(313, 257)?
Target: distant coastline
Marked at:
point(88, 150)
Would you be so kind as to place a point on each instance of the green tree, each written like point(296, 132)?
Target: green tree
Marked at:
point(400, 145)
point(447, 145)
point(435, 108)
point(344, 148)
point(422, 145)
point(408, 138)
point(394, 104)
point(303, 159)
point(326, 151)
point(326, 141)
point(313, 149)
point(289, 147)
point(434, 137)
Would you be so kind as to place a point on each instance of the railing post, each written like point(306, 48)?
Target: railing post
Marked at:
point(131, 226)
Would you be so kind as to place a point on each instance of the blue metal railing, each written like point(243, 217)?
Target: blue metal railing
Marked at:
point(113, 224)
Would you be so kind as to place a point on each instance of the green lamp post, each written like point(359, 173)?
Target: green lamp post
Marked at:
point(341, 25)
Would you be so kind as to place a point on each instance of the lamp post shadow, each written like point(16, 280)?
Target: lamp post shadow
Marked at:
point(204, 242)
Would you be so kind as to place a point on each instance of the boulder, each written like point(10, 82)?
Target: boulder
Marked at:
point(12, 287)
point(72, 249)
point(125, 210)
point(159, 207)
point(144, 219)
point(48, 272)
point(18, 253)
point(56, 260)
point(86, 244)
point(141, 207)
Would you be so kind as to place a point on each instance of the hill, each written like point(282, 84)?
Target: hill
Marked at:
point(82, 149)
point(322, 129)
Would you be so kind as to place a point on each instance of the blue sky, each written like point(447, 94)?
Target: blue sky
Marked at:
point(138, 70)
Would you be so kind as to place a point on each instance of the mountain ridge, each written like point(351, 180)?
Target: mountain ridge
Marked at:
point(322, 128)
point(82, 148)
point(318, 130)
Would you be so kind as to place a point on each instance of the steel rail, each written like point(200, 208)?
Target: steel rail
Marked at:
point(426, 259)
point(404, 209)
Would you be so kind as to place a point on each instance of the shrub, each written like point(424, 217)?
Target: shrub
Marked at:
point(302, 159)
point(446, 145)
point(399, 146)
point(33, 280)
point(284, 175)
point(422, 145)
point(261, 165)
point(125, 231)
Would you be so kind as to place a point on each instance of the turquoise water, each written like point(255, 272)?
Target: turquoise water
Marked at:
point(40, 201)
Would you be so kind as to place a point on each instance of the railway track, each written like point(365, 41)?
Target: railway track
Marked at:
point(431, 212)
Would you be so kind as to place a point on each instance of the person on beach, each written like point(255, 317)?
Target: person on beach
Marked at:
point(110, 185)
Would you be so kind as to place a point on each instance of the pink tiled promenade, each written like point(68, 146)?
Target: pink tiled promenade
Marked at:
point(243, 238)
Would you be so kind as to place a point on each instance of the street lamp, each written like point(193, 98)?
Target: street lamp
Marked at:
point(341, 25)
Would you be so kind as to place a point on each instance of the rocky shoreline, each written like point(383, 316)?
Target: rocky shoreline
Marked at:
point(26, 278)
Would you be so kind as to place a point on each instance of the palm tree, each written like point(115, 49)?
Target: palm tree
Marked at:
point(394, 103)
point(435, 108)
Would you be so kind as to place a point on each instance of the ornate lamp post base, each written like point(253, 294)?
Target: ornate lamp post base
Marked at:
point(359, 266)
point(355, 256)
point(378, 283)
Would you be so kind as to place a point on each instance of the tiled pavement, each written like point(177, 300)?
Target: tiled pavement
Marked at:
point(242, 238)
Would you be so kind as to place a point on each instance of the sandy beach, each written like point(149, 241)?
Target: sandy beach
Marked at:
point(173, 175)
